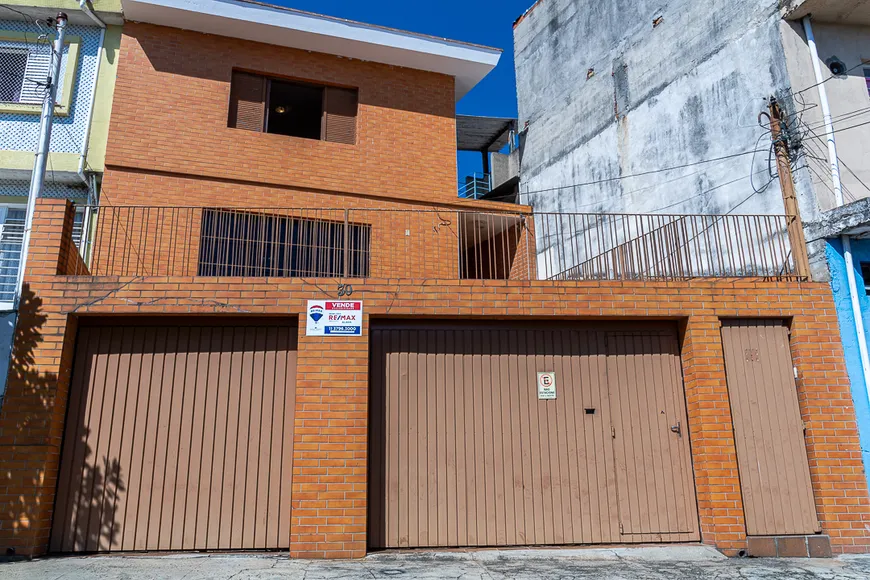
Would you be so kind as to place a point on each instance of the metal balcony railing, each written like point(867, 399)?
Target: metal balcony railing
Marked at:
point(475, 186)
point(432, 244)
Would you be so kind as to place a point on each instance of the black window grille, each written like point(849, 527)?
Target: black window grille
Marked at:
point(250, 244)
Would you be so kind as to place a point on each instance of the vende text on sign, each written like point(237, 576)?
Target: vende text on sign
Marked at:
point(547, 386)
point(334, 318)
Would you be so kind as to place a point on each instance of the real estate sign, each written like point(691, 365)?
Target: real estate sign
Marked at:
point(334, 318)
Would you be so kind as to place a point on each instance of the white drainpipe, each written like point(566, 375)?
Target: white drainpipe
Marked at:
point(83, 4)
point(838, 194)
point(92, 183)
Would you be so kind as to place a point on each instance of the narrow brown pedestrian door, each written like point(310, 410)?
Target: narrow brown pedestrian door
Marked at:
point(650, 437)
point(768, 430)
point(178, 438)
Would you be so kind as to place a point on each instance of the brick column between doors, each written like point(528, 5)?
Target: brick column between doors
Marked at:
point(714, 454)
point(330, 447)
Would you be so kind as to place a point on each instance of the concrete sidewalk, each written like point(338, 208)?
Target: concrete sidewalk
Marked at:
point(628, 563)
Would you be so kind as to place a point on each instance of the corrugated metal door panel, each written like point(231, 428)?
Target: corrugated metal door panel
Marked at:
point(769, 435)
point(464, 454)
point(178, 438)
point(656, 496)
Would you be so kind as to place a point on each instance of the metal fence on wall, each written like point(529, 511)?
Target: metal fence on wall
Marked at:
point(432, 244)
point(653, 246)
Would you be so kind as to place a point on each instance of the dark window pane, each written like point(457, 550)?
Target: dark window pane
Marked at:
point(247, 244)
point(295, 110)
point(865, 273)
point(13, 63)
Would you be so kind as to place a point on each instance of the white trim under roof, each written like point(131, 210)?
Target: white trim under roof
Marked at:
point(467, 63)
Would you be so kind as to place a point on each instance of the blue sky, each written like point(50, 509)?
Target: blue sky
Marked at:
point(488, 22)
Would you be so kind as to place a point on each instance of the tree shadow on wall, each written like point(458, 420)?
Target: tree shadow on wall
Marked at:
point(88, 487)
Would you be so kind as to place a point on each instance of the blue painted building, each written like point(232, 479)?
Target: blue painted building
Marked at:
point(829, 260)
point(840, 286)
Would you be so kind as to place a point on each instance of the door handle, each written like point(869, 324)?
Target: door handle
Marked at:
point(677, 429)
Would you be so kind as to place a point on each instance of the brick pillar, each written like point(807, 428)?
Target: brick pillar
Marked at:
point(330, 447)
point(833, 447)
point(31, 420)
point(720, 504)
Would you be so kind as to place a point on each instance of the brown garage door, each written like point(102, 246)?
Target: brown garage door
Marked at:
point(463, 452)
point(768, 430)
point(178, 438)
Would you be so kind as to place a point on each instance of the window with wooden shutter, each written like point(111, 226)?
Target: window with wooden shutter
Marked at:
point(296, 109)
point(247, 102)
point(340, 115)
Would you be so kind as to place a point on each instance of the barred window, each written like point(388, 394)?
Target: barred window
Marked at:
point(24, 70)
point(249, 244)
point(11, 238)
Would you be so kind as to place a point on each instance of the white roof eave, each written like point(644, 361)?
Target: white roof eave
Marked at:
point(467, 63)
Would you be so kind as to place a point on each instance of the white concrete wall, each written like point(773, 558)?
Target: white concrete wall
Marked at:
point(687, 90)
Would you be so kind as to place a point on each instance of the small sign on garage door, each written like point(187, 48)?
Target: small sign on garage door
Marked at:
point(331, 318)
point(546, 386)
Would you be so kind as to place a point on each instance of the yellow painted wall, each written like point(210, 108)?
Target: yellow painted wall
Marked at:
point(96, 159)
point(23, 161)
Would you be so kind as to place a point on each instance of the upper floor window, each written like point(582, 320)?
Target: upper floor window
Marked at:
point(25, 62)
point(260, 103)
point(867, 78)
point(23, 72)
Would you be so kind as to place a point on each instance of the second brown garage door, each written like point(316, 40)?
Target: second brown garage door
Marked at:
point(463, 452)
point(178, 438)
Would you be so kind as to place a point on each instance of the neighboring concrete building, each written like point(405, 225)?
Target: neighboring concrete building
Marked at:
point(78, 143)
point(636, 107)
point(291, 334)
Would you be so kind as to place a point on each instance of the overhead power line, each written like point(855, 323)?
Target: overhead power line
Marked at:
point(641, 174)
point(839, 118)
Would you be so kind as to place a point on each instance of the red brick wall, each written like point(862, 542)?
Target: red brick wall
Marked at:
point(171, 104)
point(826, 406)
point(720, 503)
point(328, 518)
point(31, 419)
point(329, 448)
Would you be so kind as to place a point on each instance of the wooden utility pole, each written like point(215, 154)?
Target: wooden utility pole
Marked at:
point(786, 183)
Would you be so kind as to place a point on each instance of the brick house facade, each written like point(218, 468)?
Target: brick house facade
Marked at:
point(172, 148)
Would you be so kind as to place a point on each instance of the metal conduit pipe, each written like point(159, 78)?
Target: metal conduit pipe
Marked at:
point(838, 194)
point(85, 7)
